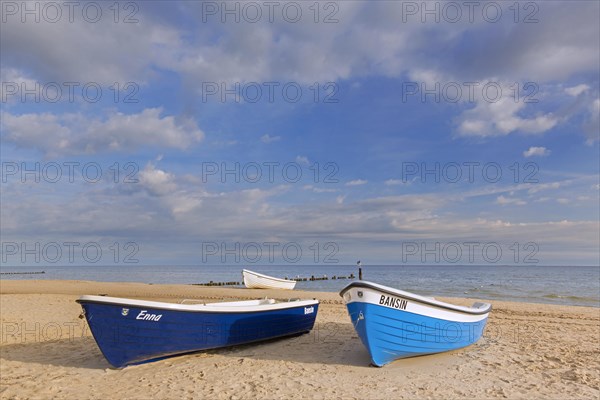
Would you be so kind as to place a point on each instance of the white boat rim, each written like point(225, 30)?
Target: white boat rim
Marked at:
point(247, 271)
point(224, 307)
point(476, 309)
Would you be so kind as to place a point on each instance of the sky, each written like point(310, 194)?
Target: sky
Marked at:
point(238, 133)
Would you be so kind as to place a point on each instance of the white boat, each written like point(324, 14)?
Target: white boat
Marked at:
point(254, 280)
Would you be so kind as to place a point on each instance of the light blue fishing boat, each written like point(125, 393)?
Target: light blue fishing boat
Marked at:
point(395, 324)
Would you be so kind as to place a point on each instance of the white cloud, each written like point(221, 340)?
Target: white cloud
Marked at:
point(364, 41)
point(319, 189)
point(501, 118)
point(577, 90)
point(302, 160)
point(156, 181)
point(13, 84)
point(269, 139)
point(90, 52)
point(496, 108)
point(535, 188)
point(519, 48)
point(395, 182)
point(188, 216)
point(562, 200)
point(356, 182)
point(54, 134)
point(503, 201)
point(536, 151)
point(473, 128)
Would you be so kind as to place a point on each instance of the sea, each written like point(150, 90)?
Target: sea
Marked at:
point(566, 285)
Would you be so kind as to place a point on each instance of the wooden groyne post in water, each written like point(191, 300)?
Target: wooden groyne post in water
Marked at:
point(22, 273)
point(297, 279)
point(211, 283)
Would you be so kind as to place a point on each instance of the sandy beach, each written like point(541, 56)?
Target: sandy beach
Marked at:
point(528, 351)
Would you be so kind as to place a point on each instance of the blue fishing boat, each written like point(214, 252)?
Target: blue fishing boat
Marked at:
point(395, 324)
point(131, 331)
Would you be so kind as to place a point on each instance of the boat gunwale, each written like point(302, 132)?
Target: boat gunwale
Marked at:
point(484, 309)
point(211, 308)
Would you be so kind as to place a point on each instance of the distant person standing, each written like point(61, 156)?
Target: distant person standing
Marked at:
point(359, 270)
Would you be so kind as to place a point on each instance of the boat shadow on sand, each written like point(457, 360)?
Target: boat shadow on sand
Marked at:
point(332, 344)
point(79, 352)
point(327, 343)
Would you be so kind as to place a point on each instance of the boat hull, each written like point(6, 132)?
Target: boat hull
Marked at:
point(393, 327)
point(254, 280)
point(128, 334)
